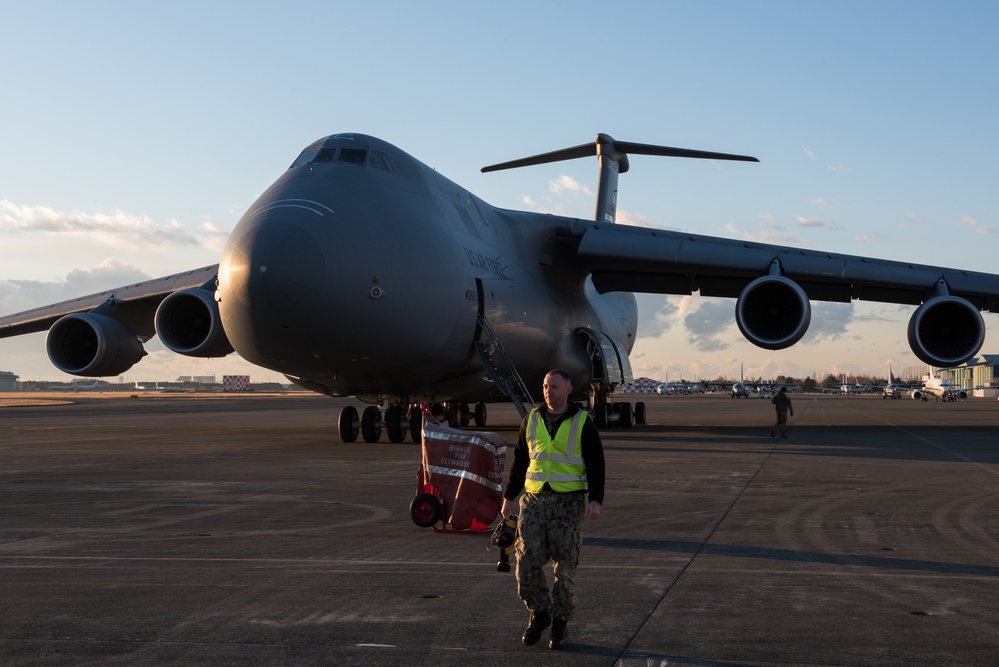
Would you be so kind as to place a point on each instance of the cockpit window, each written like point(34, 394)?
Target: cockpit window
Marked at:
point(304, 158)
point(353, 155)
point(325, 155)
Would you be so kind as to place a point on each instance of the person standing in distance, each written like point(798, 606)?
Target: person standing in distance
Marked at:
point(558, 461)
point(783, 406)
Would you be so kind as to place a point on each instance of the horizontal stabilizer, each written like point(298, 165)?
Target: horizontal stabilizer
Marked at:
point(605, 145)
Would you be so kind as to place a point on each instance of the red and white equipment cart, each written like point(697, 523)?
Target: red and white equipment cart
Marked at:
point(460, 481)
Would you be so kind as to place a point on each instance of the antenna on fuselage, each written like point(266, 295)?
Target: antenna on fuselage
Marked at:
point(613, 159)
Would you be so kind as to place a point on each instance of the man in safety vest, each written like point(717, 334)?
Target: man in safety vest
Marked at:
point(558, 460)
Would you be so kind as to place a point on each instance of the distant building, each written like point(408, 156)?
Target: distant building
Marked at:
point(9, 381)
point(980, 374)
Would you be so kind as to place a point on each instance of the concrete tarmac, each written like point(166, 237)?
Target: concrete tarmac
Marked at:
point(241, 531)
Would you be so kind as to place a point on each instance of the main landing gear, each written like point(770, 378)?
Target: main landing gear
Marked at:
point(613, 415)
point(399, 420)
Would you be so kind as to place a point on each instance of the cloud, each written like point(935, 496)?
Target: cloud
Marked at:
point(829, 321)
point(565, 183)
point(809, 154)
point(20, 295)
point(638, 220)
point(770, 231)
point(706, 323)
point(812, 223)
point(979, 228)
point(116, 229)
point(656, 315)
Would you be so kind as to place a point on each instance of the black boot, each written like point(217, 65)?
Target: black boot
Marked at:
point(560, 635)
point(539, 621)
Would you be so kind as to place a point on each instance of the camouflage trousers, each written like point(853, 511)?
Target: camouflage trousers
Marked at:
point(781, 424)
point(550, 529)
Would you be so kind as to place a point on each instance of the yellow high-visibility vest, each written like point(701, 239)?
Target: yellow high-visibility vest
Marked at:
point(558, 461)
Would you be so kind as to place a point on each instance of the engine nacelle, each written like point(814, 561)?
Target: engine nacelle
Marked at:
point(917, 395)
point(946, 331)
point(773, 312)
point(188, 322)
point(92, 345)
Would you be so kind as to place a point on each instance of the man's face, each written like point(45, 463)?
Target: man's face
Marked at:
point(557, 390)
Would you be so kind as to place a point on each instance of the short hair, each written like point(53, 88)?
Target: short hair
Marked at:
point(561, 373)
point(783, 389)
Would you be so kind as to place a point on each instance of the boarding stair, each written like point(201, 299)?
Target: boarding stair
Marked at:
point(511, 384)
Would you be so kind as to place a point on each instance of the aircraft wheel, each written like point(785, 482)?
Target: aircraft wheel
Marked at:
point(371, 426)
point(393, 424)
point(466, 415)
point(640, 412)
point(347, 424)
point(480, 414)
point(600, 413)
point(416, 424)
point(425, 510)
point(626, 416)
point(453, 415)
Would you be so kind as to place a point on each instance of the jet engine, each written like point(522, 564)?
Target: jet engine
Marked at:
point(188, 322)
point(773, 312)
point(92, 345)
point(946, 331)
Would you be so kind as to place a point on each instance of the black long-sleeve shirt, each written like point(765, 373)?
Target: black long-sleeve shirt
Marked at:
point(592, 450)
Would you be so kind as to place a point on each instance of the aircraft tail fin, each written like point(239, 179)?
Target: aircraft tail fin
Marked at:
point(613, 158)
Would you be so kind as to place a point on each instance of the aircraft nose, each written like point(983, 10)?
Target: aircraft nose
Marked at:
point(274, 271)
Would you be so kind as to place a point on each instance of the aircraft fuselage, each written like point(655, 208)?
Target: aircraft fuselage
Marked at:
point(361, 271)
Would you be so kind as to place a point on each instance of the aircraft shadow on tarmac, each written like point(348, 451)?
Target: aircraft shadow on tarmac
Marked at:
point(679, 546)
point(865, 442)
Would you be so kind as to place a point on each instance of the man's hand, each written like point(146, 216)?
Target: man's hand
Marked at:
point(509, 507)
point(593, 510)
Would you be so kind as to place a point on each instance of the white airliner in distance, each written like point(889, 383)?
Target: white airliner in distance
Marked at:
point(939, 389)
point(79, 386)
point(363, 272)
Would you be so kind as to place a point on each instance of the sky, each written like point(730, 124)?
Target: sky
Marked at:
point(133, 136)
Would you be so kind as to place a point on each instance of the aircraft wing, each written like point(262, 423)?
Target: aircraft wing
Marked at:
point(775, 285)
point(135, 304)
point(638, 259)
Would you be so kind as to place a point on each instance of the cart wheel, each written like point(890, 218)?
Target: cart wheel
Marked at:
point(348, 424)
point(425, 510)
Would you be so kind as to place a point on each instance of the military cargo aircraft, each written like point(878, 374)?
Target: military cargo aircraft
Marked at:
point(362, 271)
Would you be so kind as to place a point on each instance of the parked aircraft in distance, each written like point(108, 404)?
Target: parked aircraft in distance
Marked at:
point(363, 272)
point(740, 390)
point(939, 389)
point(893, 390)
point(679, 388)
point(79, 386)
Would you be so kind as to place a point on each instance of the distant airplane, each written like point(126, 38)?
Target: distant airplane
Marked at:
point(79, 386)
point(739, 389)
point(893, 390)
point(363, 272)
point(939, 389)
point(846, 388)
